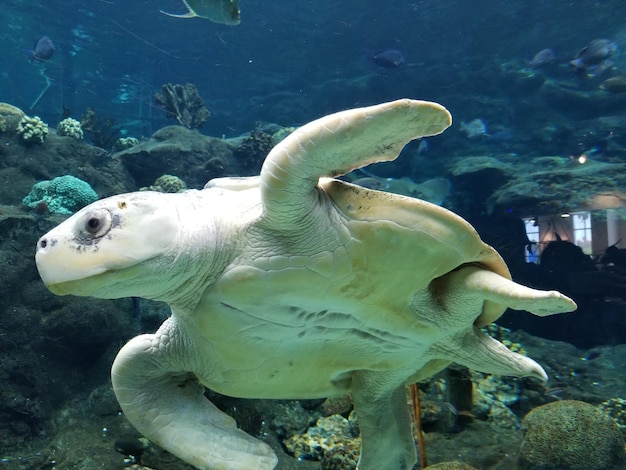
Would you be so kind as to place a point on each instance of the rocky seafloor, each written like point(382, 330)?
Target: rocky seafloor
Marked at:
point(57, 409)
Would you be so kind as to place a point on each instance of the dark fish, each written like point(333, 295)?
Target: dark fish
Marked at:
point(389, 58)
point(543, 58)
point(594, 54)
point(615, 84)
point(42, 50)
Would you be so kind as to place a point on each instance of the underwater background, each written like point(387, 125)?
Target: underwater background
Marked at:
point(535, 160)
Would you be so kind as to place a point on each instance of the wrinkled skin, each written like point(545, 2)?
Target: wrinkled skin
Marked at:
point(293, 285)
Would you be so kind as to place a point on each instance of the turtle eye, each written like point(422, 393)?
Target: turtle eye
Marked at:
point(96, 223)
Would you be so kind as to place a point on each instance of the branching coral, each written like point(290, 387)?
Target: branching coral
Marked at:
point(71, 128)
point(32, 130)
point(183, 103)
point(102, 134)
point(124, 143)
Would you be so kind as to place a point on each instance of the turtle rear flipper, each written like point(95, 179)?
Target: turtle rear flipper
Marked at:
point(167, 405)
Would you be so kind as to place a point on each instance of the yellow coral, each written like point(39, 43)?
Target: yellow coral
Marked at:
point(32, 130)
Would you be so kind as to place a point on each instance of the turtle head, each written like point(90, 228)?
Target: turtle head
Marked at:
point(113, 248)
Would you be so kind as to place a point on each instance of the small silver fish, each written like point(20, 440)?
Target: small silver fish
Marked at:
point(217, 11)
point(543, 58)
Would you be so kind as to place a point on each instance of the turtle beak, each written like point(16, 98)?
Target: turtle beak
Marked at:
point(52, 259)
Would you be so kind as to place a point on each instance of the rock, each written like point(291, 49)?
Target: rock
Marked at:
point(571, 435)
point(581, 104)
point(178, 151)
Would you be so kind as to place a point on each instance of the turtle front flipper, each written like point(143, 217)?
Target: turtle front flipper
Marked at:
point(167, 405)
point(336, 144)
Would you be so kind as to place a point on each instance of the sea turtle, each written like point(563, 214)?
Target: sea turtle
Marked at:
point(294, 285)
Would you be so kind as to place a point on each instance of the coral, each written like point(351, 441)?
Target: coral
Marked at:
point(124, 143)
point(280, 134)
point(62, 195)
point(616, 409)
point(9, 116)
point(450, 466)
point(570, 434)
point(71, 128)
point(253, 149)
point(102, 134)
point(322, 441)
point(183, 103)
point(290, 419)
point(32, 130)
point(337, 405)
point(502, 334)
point(167, 184)
point(341, 458)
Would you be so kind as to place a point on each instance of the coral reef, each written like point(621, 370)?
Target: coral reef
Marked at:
point(71, 128)
point(32, 130)
point(570, 434)
point(176, 150)
point(332, 439)
point(281, 133)
point(9, 117)
point(62, 195)
point(167, 184)
point(124, 143)
point(616, 409)
point(102, 134)
point(253, 149)
point(290, 419)
point(183, 103)
point(450, 466)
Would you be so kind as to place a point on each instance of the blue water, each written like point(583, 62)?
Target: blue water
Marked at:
point(287, 62)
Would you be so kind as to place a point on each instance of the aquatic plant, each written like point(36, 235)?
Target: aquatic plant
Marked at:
point(102, 134)
point(183, 103)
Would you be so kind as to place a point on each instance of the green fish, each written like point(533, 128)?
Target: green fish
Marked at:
point(218, 11)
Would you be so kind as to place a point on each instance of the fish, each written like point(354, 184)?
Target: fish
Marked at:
point(217, 11)
point(543, 58)
point(388, 58)
point(43, 49)
point(594, 55)
point(615, 84)
point(476, 128)
point(556, 391)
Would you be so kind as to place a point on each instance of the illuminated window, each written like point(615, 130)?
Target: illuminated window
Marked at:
point(581, 224)
point(532, 232)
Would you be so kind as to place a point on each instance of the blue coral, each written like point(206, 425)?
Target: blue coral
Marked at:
point(62, 195)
